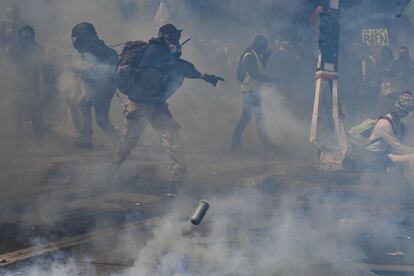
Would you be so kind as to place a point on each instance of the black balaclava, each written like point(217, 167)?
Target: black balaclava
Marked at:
point(81, 33)
point(260, 44)
point(26, 34)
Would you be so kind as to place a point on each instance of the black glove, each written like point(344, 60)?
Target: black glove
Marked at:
point(212, 79)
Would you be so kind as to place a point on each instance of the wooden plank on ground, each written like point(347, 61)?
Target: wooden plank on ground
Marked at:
point(38, 250)
point(387, 267)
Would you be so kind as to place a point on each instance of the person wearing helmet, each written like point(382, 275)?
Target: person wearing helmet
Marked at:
point(158, 76)
point(28, 57)
point(97, 71)
point(387, 136)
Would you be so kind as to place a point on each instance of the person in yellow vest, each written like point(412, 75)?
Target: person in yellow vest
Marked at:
point(252, 77)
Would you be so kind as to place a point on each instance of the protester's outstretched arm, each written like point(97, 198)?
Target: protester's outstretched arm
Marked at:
point(211, 79)
point(189, 71)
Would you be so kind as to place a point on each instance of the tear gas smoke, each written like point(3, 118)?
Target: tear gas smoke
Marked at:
point(248, 232)
point(308, 234)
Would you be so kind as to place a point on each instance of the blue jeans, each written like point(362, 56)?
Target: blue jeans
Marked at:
point(251, 104)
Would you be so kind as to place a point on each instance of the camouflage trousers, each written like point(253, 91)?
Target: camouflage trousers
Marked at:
point(137, 117)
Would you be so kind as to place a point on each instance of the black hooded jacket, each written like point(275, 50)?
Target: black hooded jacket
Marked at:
point(101, 62)
point(160, 74)
point(101, 52)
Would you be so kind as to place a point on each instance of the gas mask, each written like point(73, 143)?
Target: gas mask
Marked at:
point(173, 42)
point(175, 49)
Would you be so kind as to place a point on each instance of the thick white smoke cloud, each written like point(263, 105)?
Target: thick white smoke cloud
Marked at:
point(248, 233)
point(54, 19)
point(285, 125)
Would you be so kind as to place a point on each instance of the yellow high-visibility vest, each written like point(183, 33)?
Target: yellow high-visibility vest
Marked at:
point(250, 84)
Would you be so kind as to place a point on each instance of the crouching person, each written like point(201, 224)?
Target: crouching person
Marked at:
point(385, 144)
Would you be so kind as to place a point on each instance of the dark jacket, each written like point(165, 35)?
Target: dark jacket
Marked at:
point(100, 63)
point(160, 74)
point(101, 52)
point(27, 55)
point(250, 66)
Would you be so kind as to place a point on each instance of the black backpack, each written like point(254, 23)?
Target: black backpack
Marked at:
point(129, 61)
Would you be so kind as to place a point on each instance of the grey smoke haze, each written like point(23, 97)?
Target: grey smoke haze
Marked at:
point(253, 233)
point(248, 232)
point(53, 20)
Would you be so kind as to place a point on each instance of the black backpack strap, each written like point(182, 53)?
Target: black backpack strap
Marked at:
point(391, 121)
point(397, 124)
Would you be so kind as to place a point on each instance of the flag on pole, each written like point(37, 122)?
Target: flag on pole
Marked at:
point(409, 11)
point(162, 15)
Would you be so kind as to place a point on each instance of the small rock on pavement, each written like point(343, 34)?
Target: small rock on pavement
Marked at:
point(50, 165)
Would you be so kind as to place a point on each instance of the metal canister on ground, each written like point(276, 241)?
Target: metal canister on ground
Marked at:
point(200, 212)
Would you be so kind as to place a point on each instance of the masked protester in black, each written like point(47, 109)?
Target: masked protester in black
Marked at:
point(97, 70)
point(159, 74)
point(28, 88)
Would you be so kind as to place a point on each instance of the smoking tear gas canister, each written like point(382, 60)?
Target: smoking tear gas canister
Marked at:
point(200, 212)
